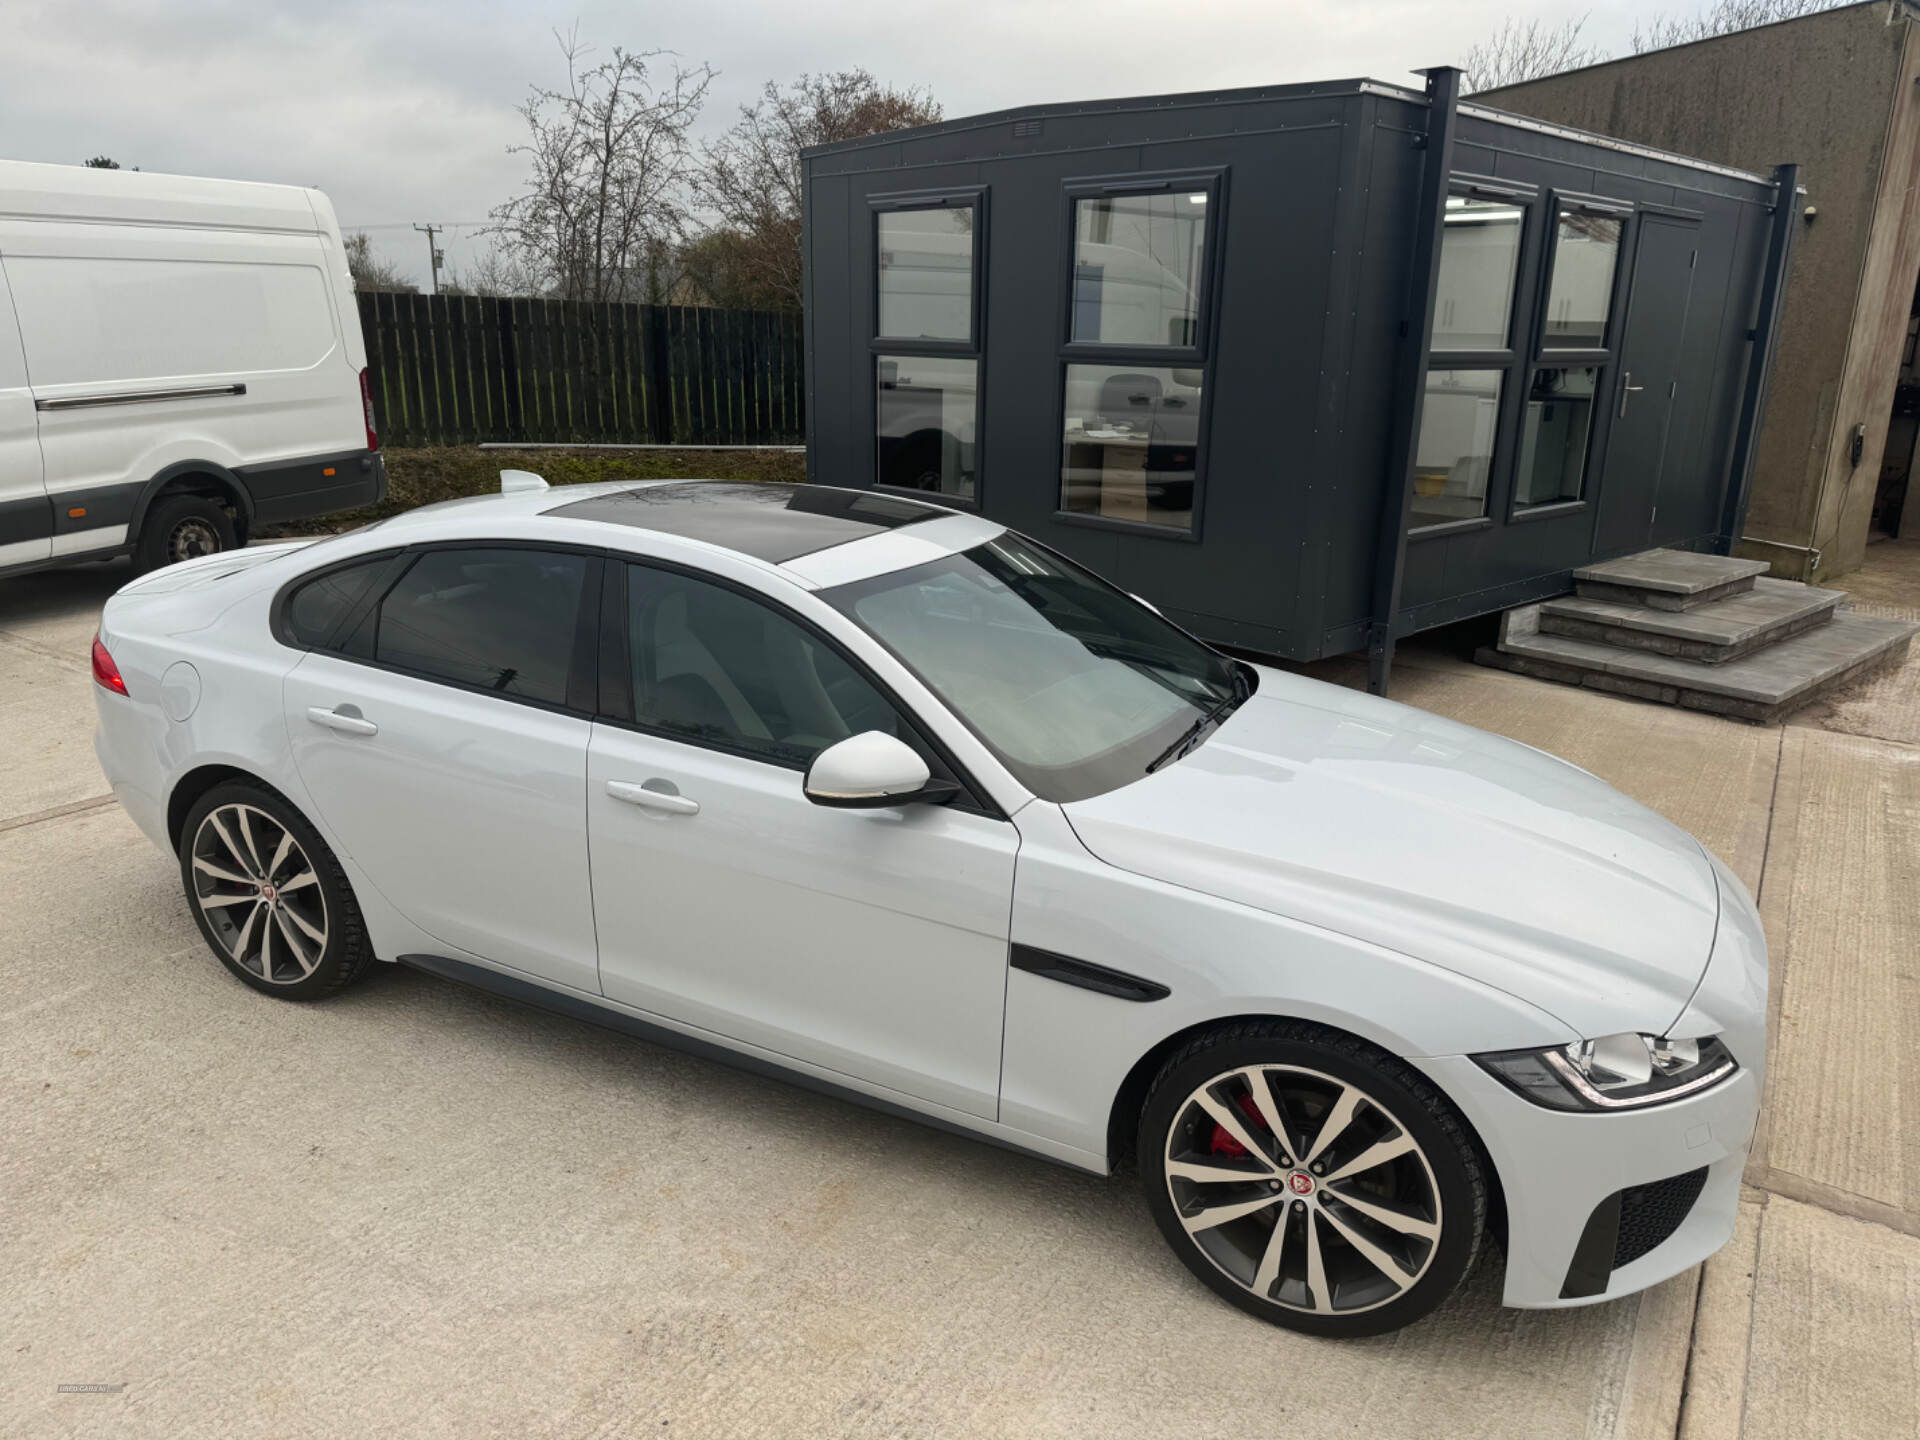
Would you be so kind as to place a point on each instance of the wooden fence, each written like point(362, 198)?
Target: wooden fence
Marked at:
point(459, 369)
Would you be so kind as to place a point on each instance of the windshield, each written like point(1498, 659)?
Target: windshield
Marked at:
point(1077, 687)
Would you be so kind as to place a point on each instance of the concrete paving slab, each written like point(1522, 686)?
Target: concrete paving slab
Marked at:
point(419, 1209)
point(1760, 686)
point(1836, 1329)
point(1723, 630)
point(1841, 901)
point(58, 610)
point(1716, 1385)
point(1667, 579)
point(46, 730)
point(1885, 704)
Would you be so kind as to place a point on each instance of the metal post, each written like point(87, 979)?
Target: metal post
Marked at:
point(1765, 337)
point(1396, 501)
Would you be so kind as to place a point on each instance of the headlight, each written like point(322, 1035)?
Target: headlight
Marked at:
point(1619, 1072)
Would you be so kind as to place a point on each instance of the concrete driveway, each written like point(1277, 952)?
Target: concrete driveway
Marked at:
point(419, 1210)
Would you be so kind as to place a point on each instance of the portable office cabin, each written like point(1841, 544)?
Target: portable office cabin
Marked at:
point(1181, 339)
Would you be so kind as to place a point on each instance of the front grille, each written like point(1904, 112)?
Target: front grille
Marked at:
point(1649, 1214)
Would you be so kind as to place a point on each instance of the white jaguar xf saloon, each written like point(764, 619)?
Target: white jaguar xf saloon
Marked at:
point(891, 801)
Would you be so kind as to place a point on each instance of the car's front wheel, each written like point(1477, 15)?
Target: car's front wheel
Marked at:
point(1311, 1179)
point(269, 896)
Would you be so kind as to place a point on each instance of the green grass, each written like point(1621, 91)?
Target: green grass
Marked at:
point(420, 476)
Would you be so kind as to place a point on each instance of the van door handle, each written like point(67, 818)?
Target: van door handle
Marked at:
point(339, 720)
point(654, 795)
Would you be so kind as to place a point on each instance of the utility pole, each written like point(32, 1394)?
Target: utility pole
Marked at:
point(435, 255)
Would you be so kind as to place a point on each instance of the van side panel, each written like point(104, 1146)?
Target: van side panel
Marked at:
point(26, 515)
point(152, 347)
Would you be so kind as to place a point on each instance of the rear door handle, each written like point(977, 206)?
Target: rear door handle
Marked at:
point(653, 795)
point(344, 723)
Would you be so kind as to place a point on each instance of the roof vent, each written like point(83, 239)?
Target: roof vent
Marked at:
point(1027, 129)
point(512, 482)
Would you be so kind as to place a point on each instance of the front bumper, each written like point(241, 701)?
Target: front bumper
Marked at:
point(1556, 1168)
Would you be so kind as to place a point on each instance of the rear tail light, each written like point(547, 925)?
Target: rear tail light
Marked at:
point(366, 404)
point(105, 672)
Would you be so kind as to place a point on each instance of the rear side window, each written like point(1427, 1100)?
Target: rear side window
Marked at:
point(500, 620)
point(317, 607)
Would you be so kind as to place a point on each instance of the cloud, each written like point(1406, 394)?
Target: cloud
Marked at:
point(403, 112)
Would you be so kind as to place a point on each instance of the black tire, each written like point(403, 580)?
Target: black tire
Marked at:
point(183, 527)
point(221, 867)
point(1440, 1184)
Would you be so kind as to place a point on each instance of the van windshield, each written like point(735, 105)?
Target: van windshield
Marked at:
point(1075, 686)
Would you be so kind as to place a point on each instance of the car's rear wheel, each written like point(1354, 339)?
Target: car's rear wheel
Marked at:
point(269, 896)
point(1311, 1179)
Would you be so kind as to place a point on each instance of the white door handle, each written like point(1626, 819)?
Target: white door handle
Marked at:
point(671, 801)
point(345, 724)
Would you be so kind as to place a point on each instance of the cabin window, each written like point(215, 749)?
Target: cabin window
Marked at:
point(1136, 359)
point(1138, 262)
point(926, 342)
point(925, 267)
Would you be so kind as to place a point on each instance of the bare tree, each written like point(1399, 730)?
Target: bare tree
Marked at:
point(608, 175)
point(752, 175)
point(492, 272)
point(1527, 50)
point(374, 272)
point(1722, 17)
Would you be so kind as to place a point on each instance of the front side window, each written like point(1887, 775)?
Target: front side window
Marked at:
point(1458, 421)
point(501, 620)
point(1076, 687)
point(1137, 267)
point(926, 409)
point(1132, 439)
point(1586, 250)
point(925, 269)
point(713, 667)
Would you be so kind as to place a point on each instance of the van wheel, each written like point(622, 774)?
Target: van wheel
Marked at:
point(183, 527)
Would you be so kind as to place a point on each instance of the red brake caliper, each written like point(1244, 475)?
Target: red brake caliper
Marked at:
point(1225, 1144)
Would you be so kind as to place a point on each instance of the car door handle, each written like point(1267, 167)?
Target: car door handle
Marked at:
point(345, 724)
point(653, 797)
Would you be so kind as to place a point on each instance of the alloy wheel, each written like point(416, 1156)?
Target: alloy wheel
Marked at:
point(259, 894)
point(1303, 1189)
point(190, 539)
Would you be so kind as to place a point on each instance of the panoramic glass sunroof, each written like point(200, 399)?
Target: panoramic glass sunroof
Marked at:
point(775, 523)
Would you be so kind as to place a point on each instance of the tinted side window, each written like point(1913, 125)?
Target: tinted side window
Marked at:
point(319, 605)
point(499, 619)
point(711, 665)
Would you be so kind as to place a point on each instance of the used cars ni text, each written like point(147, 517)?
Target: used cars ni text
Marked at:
point(903, 805)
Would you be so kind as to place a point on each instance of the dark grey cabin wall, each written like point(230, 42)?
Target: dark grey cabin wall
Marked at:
point(1318, 204)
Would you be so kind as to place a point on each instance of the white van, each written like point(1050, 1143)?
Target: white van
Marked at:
point(180, 363)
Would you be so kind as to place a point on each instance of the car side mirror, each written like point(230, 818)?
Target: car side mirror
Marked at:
point(870, 770)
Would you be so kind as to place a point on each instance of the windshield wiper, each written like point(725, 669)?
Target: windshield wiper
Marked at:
point(1196, 732)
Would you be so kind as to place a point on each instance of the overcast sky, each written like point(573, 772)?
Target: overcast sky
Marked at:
point(402, 110)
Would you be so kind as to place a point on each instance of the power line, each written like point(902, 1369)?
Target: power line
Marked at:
point(406, 224)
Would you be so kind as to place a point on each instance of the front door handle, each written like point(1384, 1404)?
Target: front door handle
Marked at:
point(1627, 387)
point(653, 795)
point(339, 720)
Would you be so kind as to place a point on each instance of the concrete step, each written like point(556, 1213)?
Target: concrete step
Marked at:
point(1667, 579)
point(1762, 686)
point(1713, 633)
